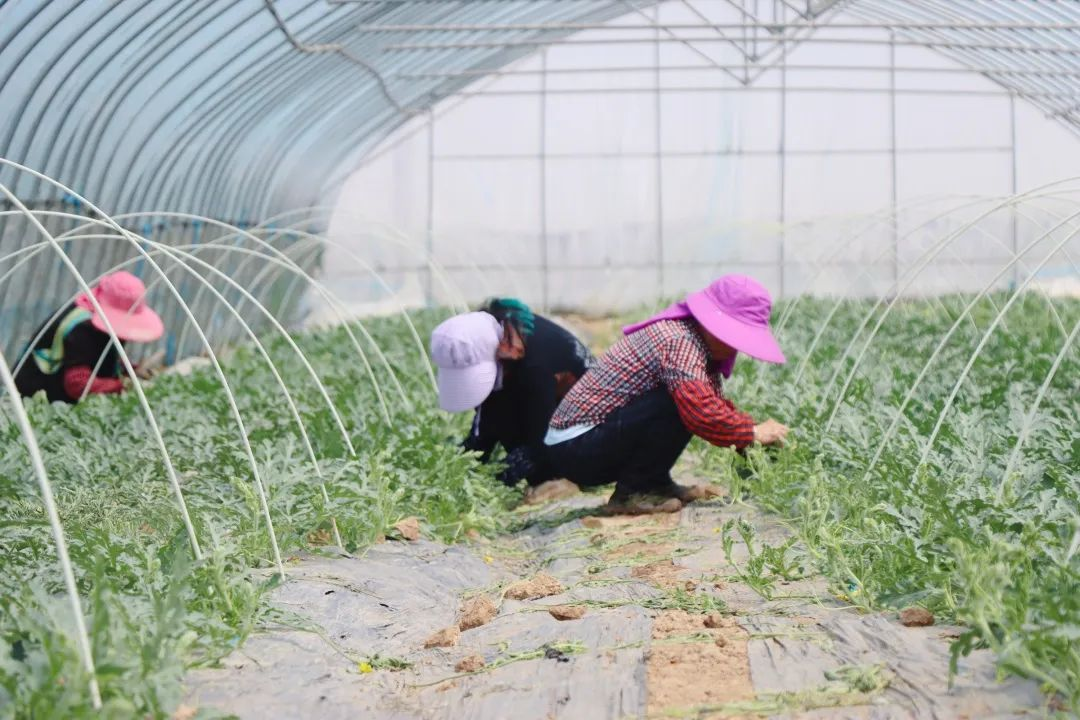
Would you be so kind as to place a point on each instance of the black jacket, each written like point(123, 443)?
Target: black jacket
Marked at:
point(516, 416)
point(83, 347)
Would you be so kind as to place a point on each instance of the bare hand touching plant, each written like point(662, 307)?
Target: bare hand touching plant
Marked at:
point(150, 366)
point(770, 432)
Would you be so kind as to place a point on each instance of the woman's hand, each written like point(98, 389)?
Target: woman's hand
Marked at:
point(770, 432)
point(150, 366)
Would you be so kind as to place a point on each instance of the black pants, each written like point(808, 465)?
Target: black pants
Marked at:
point(635, 447)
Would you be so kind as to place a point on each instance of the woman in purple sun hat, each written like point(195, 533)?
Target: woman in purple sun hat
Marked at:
point(631, 415)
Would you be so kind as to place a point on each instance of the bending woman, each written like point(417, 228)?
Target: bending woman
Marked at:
point(63, 359)
point(632, 414)
point(512, 367)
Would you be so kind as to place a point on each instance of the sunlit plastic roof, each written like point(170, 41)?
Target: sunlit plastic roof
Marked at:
point(241, 109)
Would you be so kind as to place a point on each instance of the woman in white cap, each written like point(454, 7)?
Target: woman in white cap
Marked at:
point(512, 367)
point(631, 416)
point(63, 359)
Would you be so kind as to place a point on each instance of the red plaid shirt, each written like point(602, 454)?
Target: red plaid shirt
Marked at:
point(670, 353)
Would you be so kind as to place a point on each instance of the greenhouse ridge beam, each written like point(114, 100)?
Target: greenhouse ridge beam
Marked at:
point(948, 70)
point(828, 89)
point(771, 27)
point(949, 44)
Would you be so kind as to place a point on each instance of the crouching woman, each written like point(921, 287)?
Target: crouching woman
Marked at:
point(511, 367)
point(74, 355)
point(632, 414)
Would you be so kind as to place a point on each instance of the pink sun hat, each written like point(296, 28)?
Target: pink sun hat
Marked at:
point(121, 297)
point(734, 309)
point(464, 349)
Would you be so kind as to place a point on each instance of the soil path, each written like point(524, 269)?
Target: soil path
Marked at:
point(672, 620)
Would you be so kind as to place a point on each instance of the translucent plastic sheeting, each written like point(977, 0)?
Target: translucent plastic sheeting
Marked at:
point(643, 156)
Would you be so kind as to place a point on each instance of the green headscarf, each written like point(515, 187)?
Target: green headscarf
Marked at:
point(514, 311)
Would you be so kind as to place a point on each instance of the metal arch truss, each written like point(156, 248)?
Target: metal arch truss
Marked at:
point(240, 110)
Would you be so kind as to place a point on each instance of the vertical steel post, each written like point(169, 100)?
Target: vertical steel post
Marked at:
point(892, 157)
point(429, 299)
point(782, 156)
point(544, 260)
point(1013, 181)
point(659, 162)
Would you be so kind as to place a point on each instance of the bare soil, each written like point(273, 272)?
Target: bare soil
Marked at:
point(696, 660)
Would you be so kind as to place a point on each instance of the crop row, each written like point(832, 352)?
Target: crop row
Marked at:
point(970, 508)
point(891, 518)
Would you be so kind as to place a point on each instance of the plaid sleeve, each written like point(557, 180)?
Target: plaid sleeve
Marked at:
point(683, 358)
point(711, 416)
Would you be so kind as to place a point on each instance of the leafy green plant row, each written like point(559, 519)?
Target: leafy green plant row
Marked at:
point(152, 610)
point(998, 553)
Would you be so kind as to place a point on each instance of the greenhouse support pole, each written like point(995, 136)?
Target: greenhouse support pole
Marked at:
point(1015, 215)
point(659, 163)
point(781, 260)
point(544, 278)
point(892, 157)
point(429, 299)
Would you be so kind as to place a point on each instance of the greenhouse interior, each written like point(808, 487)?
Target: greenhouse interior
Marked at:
point(540, 359)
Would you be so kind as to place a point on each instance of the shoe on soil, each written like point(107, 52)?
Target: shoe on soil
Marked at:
point(550, 491)
point(687, 494)
point(640, 504)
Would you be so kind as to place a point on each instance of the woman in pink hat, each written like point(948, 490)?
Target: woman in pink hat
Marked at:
point(65, 355)
point(632, 414)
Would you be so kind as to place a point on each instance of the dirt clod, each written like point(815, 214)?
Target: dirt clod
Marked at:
point(409, 528)
point(567, 612)
point(477, 611)
point(542, 585)
point(470, 664)
point(916, 617)
point(690, 586)
point(715, 620)
point(447, 637)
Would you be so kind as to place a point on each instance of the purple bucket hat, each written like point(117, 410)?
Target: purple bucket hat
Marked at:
point(464, 349)
point(734, 309)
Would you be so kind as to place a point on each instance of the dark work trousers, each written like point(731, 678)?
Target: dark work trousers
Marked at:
point(635, 447)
